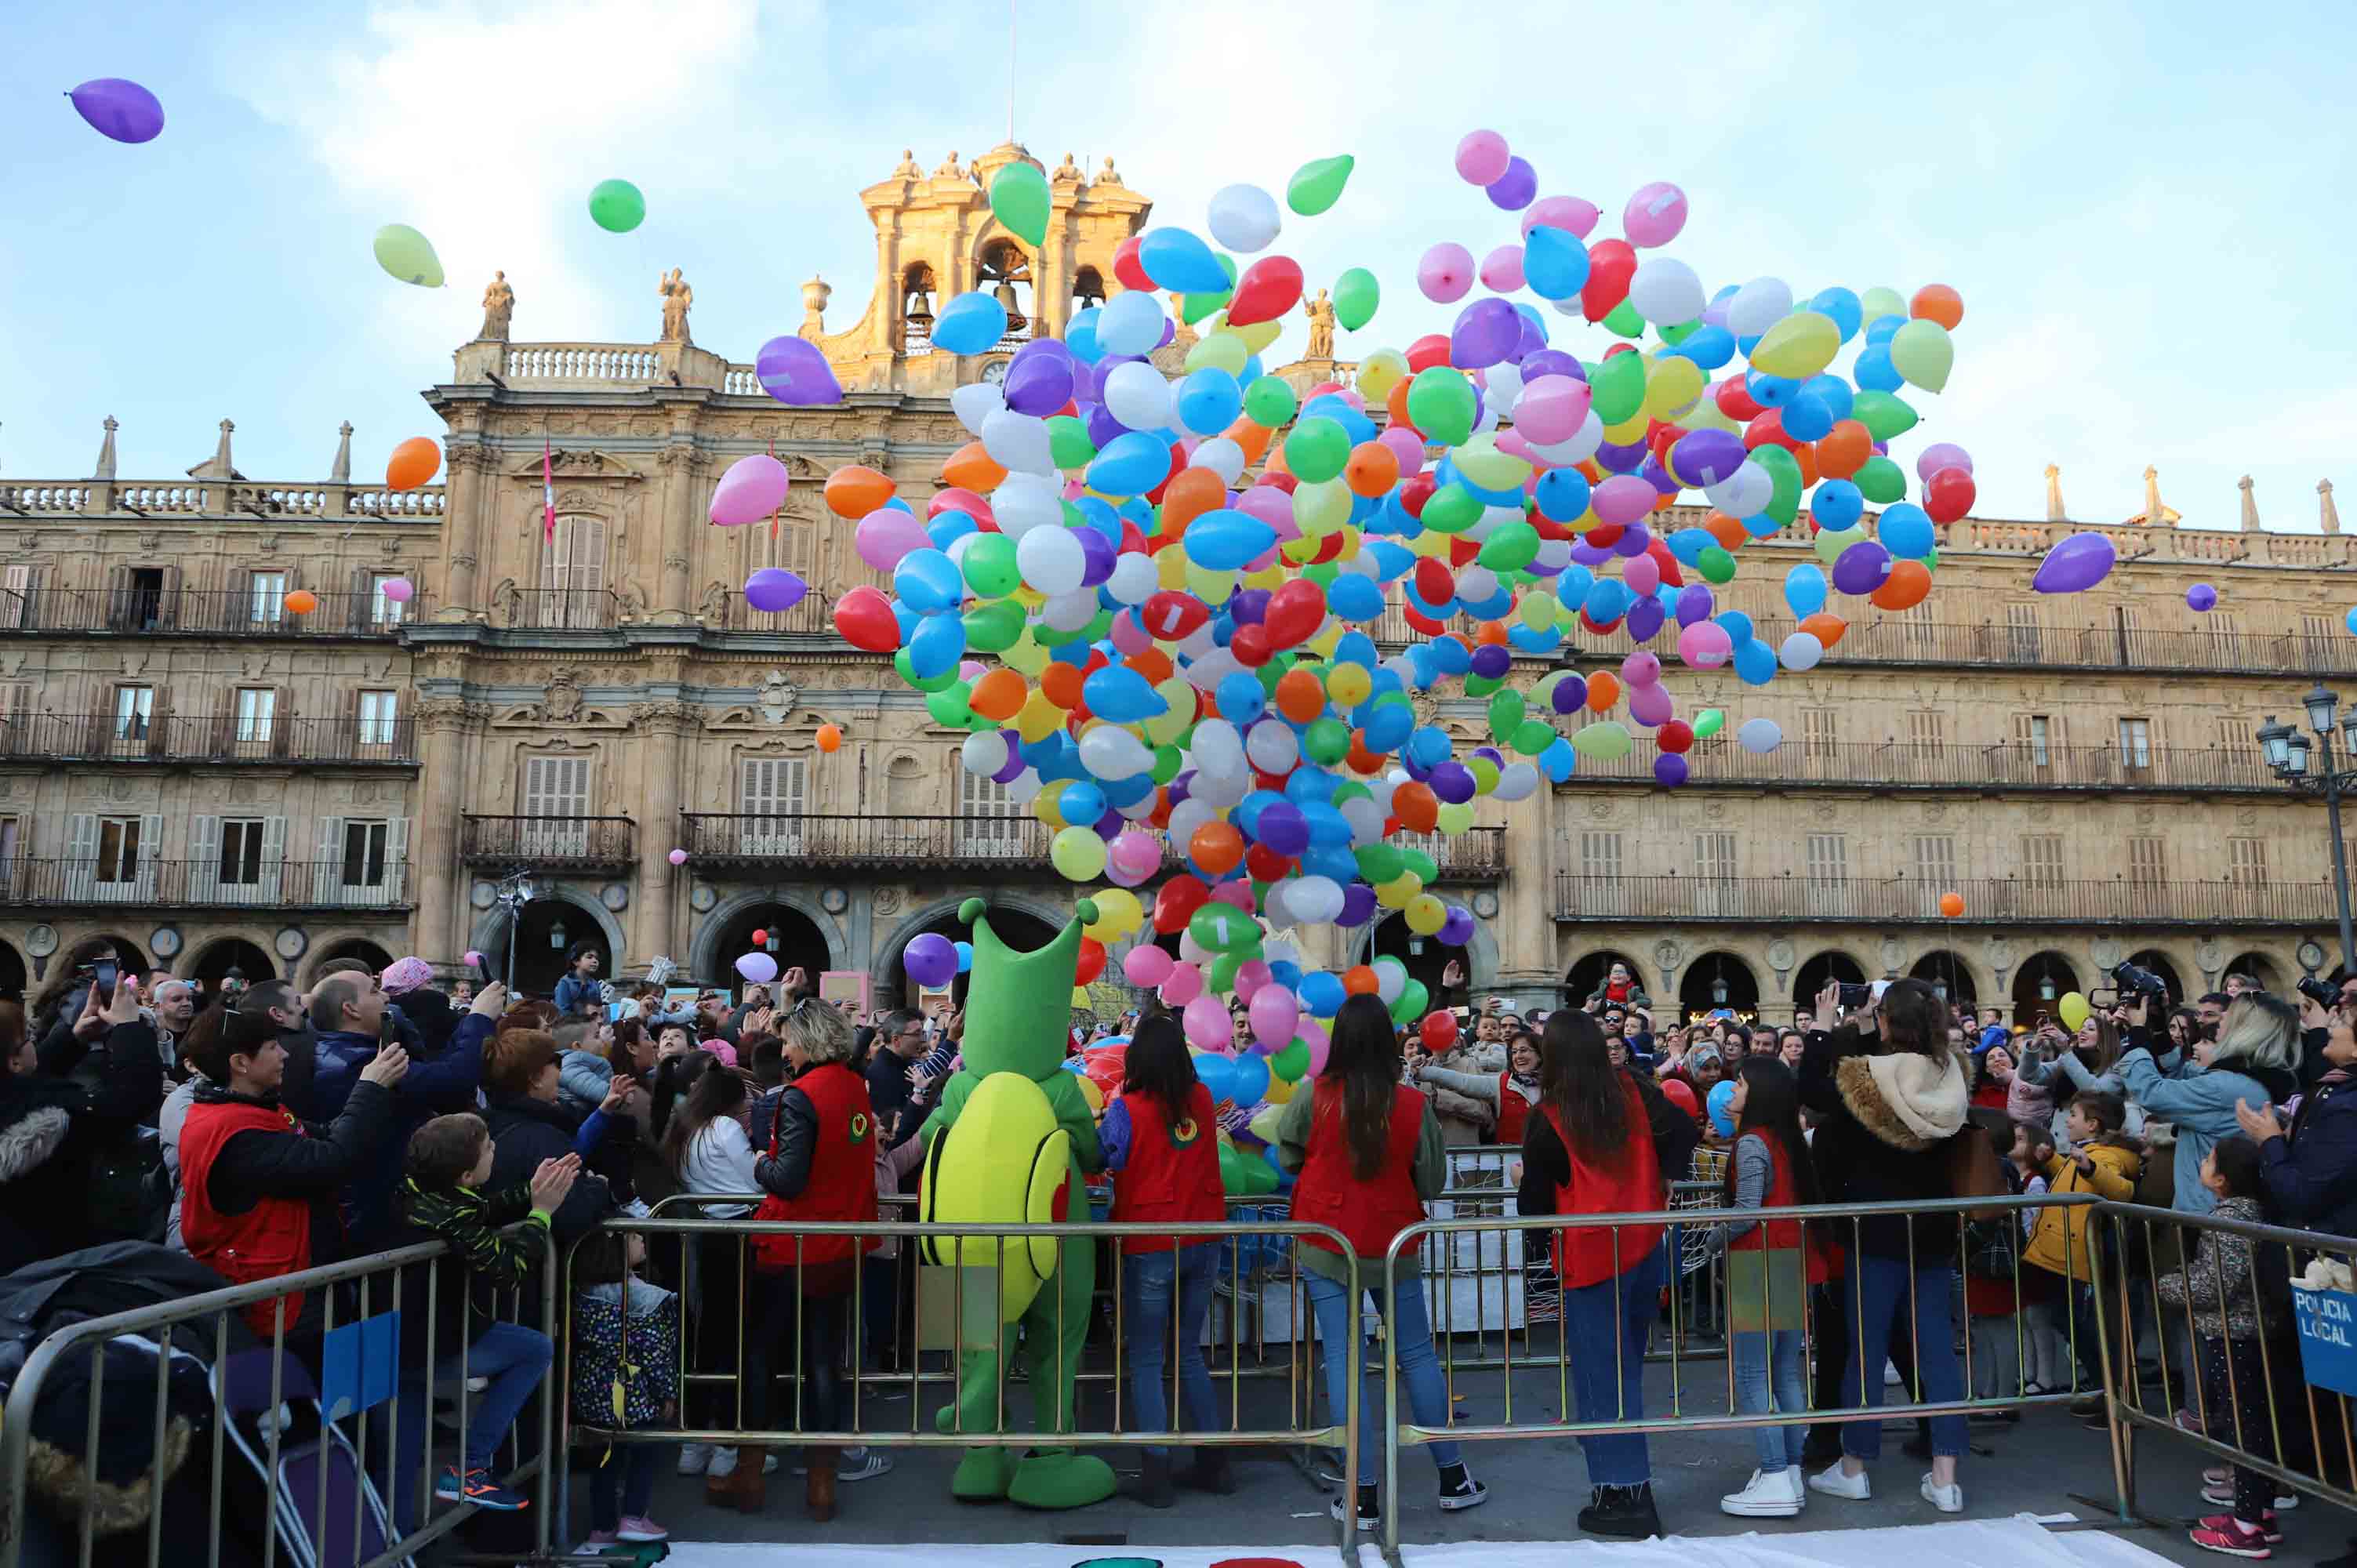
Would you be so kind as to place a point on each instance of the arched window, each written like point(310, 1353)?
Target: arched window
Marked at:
point(1088, 289)
point(1006, 272)
point(917, 291)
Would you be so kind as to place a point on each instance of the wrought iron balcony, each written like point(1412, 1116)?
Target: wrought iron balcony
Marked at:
point(1903, 764)
point(558, 609)
point(1798, 901)
point(168, 740)
point(550, 843)
point(227, 883)
point(200, 612)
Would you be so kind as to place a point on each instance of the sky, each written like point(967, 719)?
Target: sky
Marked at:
point(2144, 207)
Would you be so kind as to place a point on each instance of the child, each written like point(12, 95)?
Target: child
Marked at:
point(448, 1161)
point(2217, 1290)
point(1992, 1270)
point(625, 1368)
point(2104, 1161)
point(2032, 1147)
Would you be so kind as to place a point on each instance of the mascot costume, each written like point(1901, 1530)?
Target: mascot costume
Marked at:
point(1010, 1143)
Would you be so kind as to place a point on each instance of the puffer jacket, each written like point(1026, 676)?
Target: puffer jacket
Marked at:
point(2219, 1277)
point(582, 1079)
point(2059, 1243)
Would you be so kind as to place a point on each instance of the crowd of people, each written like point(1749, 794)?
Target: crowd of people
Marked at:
point(261, 1130)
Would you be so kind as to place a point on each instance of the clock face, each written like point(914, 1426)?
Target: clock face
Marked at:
point(994, 371)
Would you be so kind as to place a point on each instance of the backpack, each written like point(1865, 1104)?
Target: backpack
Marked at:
point(604, 1349)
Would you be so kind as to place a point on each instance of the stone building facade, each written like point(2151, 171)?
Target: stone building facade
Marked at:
point(571, 707)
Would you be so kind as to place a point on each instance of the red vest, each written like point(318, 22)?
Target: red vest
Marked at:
point(1172, 1174)
point(1370, 1213)
point(272, 1239)
point(1631, 1184)
point(1514, 1112)
point(842, 1184)
point(1785, 1192)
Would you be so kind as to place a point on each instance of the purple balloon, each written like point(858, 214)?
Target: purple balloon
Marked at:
point(774, 588)
point(1862, 567)
point(1583, 553)
point(2201, 597)
point(2078, 564)
point(1015, 763)
point(1098, 555)
point(1695, 603)
point(1457, 926)
point(1514, 190)
point(1282, 827)
point(1552, 363)
point(1358, 904)
point(1533, 339)
point(1490, 661)
point(1633, 539)
point(1669, 770)
point(1704, 458)
point(931, 959)
point(1618, 460)
point(1485, 330)
point(1453, 782)
point(123, 110)
point(1038, 385)
point(1570, 694)
point(1497, 758)
point(1249, 605)
point(1103, 428)
point(1654, 474)
point(792, 371)
point(1645, 618)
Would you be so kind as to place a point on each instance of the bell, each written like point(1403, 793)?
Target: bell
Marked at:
point(1004, 295)
point(921, 313)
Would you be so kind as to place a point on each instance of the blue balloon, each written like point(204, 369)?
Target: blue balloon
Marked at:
point(1081, 801)
point(1833, 391)
point(1843, 305)
point(949, 527)
point(965, 961)
point(1353, 598)
point(1227, 540)
point(1450, 656)
point(1708, 347)
point(1606, 601)
point(1737, 624)
point(1240, 698)
point(1354, 423)
point(1722, 1108)
point(1755, 664)
point(1130, 463)
point(1429, 747)
point(1905, 530)
point(1081, 337)
point(1127, 791)
point(935, 648)
point(1209, 401)
point(1389, 726)
point(1562, 493)
point(1354, 647)
point(1531, 640)
point(1806, 417)
point(927, 581)
point(1557, 760)
point(1804, 589)
point(1286, 973)
point(1875, 371)
point(1835, 504)
point(970, 324)
point(1216, 1073)
point(1555, 262)
point(1688, 543)
point(1770, 391)
point(1179, 263)
point(1321, 992)
point(1123, 695)
point(1883, 329)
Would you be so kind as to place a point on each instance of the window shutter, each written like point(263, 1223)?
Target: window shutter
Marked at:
point(81, 857)
point(168, 604)
point(396, 861)
point(204, 859)
point(328, 869)
point(588, 562)
point(151, 850)
point(118, 598)
point(16, 718)
point(347, 743)
point(273, 858)
point(15, 598)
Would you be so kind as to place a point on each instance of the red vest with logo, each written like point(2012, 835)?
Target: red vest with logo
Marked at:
point(1514, 1112)
point(1172, 1174)
point(842, 1184)
point(1784, 1193)
point(272, 1239)
point(1630, 1183)
point(1370, 1213)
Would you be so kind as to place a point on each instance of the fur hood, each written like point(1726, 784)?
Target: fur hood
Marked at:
point(27, 1143)
point(57, 1478)
point(1905, 1100)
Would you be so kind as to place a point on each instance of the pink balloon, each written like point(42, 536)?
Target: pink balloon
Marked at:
point(1274, 1013)
point(1552, 409)
point(678, 857)
point(752, 488)
point(1568, 213)
point(1205, 1020)
point(1481, 158)
point(1655, 214)
point(1238, 893)
point(1706, 645)
point(1128, 636)
point(1642, 668)
point(1643, 574)
point(1941, 454)
point(1184, 984)
point(1445, 272)
point(1250, 977)
point(1623, 499)
point(886, 534)
point(1405, 446)
point(1502, 269)
point(1133, 854)
point(1312, 1033)
point(1271, 505)
point(1650, 705)
point(1147, 965)
point(970, 670)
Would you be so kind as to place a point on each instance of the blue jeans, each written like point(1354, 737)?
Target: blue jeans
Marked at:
point(1606, 1325)
point(1879, 1290)
point(1763, 1360)
point(1148, 1283)
point(629, 1469)
point(1410, 1324)
point(515, 1359)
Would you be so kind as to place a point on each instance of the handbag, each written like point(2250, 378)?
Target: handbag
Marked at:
point(1767, 1288)
point(1974, 1172)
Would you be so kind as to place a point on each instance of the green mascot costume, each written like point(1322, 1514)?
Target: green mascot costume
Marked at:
point(1010, 1143)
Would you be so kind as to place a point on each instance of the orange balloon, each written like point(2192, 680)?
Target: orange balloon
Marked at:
point(1844, 449)
point(1299, 697)
point(1217, 847)
point(1396, 400)
point(969, 467)
point(1906, 587)
point(1192, 492)
point(302, 602)
point(1952, 904)
point(1154, 664)
point(1603, 690)
point(855, 491)
point(1728, 531)
point(1276, 464)
point(1360, 760)
point(1373, 469)
point(1937, 302)
point(413, 463)
point(1826, 626)
point(1491, 634)
point(1805, 454)
point(1250, 436)
point(830, 737)
point(1417, 807)
point(1061, 684)
point(999, 694)
point(1360, 980)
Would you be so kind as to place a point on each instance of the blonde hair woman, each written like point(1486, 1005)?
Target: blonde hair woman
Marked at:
point(2258, 1040)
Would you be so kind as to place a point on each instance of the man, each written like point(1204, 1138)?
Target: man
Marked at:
point(233, 985)
point(580, 991)
point(1805, 1020)
point(260, 1187)
point(2210, 1009)
point(757, 1000)
point(274, 1007)
point(172, 1005)
point(900, 1040)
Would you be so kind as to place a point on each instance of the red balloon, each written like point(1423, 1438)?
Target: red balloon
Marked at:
point(1440, 1030)
point(1735, 400)
point(1295, 613)
point(1948, 494)
point(956, 498)
point(1125, 268)
point(760, 938)
point(1680, 1093)
point(1265, 865)
point(1675, 735)
point(1611, 264)
point(1428, 351)
point(1769, 430)
point(1434, 584)
point(1250, 645)
point(1093, 960)
point(1176, 902)
point(1671, 572)
point(1172, 617)
point(1415, 492)
point(1268, 289)
point(864, 617)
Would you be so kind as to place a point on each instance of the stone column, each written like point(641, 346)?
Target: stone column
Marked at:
point(662, 753)
point(442, 734)
point(679, 469)
point(468, 497)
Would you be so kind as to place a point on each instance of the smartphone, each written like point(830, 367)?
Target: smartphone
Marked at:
point(1853, 997)
point(104, 974)
point(483, 971)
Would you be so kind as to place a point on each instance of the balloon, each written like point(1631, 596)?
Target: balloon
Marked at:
point(1722, 1108)
point(929, 959)
point(1759, 735)
point(616, 206)
point(2072, 1008)
point(774, 588)
point(1921, 352)
point(795, 371)
point(1952, 904)
point(1020, 199)
point(1317, 185)
point(1936, 302)
point(1205, 1021)
point(408, 255)
point(1244, 217)
point(829, 737)
point(757, 967)
point(1680, 1093)
point(1356, 294)
point(413, 463)
point(1653, 217)
point(302, 602)
point(1665, 292)
point(973, 323)
point(753, 488)
point(678, 857)
point(1445, 272)
point(1147, 966)
point(400, 590)
point(1177, 261)
point(2201, 597)
point(1481, 158)
point(119, 110)
point(2076, 565)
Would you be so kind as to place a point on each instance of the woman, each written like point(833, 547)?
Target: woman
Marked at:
point(2252, 1058)
point(1163, 1149)
point(1592, 1149)
point(1789, 1047)
point(1889, 1096)
point(2090, 1067)
point(1369, 1152)
point(41, 1202)
point(2309, 1168)
point(817, 1165)
point(1992, 1079)
point(706, 1149)
point(1509, 1094)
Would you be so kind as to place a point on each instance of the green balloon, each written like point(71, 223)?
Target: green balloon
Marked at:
point(1327, 741)
point(1510, 547)
point(1708, 723)
point(1533, 736)
point(1616, 389)
point(1452, 509)
point(1223, 974)
point(1440, 404)
point(1322, 572)
point(948, 706)
point(1485, 776)
point(1884, 415)
point(1068, 446)
point(1349, 791)
point(1290, 1063)
point(1019, 199)
point(1220, 927)
point(1317, 450)
point(1269, 402)
point(907, 673)
point(1413, 1001)
point(1317, 185)
point(1426, 869)
point(1482, 686)
point(408, 255)
point(1506, 711)
point(1879, 481)
point(616, 206)
point(1784, 501)
point(1625, 321)
point(1673, 336)
point(1193, 308)
point(1167, 761)
point(1603, 741)
point(1356, 294)
point(1379, 862)
point(994, 628)
point(1715, 565)
point(989, 566)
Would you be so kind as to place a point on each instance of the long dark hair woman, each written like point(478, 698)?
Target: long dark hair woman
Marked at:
point(706, 1149)
point(1162, 1147)
point(1597, 1145)
point(1890, 1097)
point(1369, 1151)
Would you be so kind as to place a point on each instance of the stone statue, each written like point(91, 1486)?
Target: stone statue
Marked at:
point(951, 168)
point(1109, 174)
point(2054, 513)
point(2328, 515)
point(1068, 169)
point(1320, 312)
point(676, 297)
point(499, 308)
point(907, 169)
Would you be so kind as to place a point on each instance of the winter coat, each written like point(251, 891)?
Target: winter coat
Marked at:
point(583, 1077)
point(174, 1116)
point(489, 1260)
point(433, 1086)
point(2222, 1262)
point(528, 1131)
point(2200, 1102)
point(573, 991)
point(2311, 1174)
point(2059, 1243)
point(40, 1185)
point(1885, 1124)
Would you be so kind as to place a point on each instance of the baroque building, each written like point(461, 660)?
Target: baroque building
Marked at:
point(202, 775)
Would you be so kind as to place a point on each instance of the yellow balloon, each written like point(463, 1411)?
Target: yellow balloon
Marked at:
point(1877, 303)
point(1379, 372)
point(1077, 853)
point(1486, 468)
point(1302, 551)
point(1039, 718)
point(1426, 915)
point(2074, 1009)
point(1323, 643)
point(1630, 430)
point(1210, 585)
point(1118, 910)
point(1349, 538)
point(1321, 507)
point(1349, 684)
point(1170, 569)
point(1399, 891)
point(1220, 351)
point(1270, 577)
point(1537, 609)
point(1455, 817)
point(1024, 656)
point(1706, 416)
point(1044, 806)
point(1166, 728)
point(1432, 543)
point(1256, 337)
point(1831, 542)
point(1279, 1092)
point(1670, 383)
point(1089, 1090)
point(1798, 346)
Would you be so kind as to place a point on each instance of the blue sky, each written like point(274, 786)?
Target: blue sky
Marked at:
point(2146, 208)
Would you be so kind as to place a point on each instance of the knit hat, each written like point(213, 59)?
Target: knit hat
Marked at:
point(404, 975)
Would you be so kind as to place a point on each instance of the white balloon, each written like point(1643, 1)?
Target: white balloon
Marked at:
point(1017, 442)
point(977, 403)
point(1065, 612)
point(1665, 291)
point(1197, 642)
point(1136, 395)
point(1026, 787)
point(1801, 651)
point(1217, 748)
point(1576, 448)
point(1134, 578)
point(1280, 951)
point(1501, 384)
point(1130, 323)
point(1189, 814)
point(1276, 904)
point(1052, 560)
point(1759, 734)
point(1223, 456)
point(1366, 820)
point(1383, 788)
point(1401, 665)
point(1516, 782)
point(1190, 949)
point(1244, 217)
point(1487, 423)
point(1220, 790)
point(1553, 555)
point(1744, 492)
point(1757, 305)
point(1137, 810)
point(1316, 900)
point(984, 753)
point(1023, 502)
point(1205, 672)
point(1272, 747)
point(1477, 584)
point(1391, 979)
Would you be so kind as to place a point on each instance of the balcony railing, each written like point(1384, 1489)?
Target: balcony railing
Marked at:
point(227, 883)
point(559, 609)
point(1798, 901)
point(200, 612)
point(171, 740)
point(219, 497)
point(1477, 854)
point(1903, 764)
point(555, 843)
point(814, 616)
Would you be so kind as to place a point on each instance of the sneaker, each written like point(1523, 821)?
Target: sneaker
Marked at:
point(2185, 1421)
point(638, 1527)
point(694, 1458)
point(599, 1539)
point(1769, 1494)
point(2267, 1525)
point(2233, 1538)
point(1462, 1492)
point(868, 1464)
point(1834, 1483)
point(475, 1487)
point(1370, 1508)
point(724, 1463)
point(1949, 1498)
point(2223, 1494)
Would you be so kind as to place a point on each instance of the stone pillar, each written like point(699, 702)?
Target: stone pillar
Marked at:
point(661, 902)
point(678, 525)
point(442, 735)
point(1526, 922)
point(466, 499)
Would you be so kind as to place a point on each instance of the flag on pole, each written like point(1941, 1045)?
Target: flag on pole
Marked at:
point(547, 492)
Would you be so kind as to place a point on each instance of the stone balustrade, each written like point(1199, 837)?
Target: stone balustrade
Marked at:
point(32, 498)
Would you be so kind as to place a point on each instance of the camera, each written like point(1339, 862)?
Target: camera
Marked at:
point(2132, 980)
point(102, 973)
point(2323, 992)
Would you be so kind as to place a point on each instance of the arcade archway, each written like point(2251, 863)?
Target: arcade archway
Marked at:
point(1950, 976)
point(2038, 986)
point(1717, 980)
point(787, 935)
point(1814, 975)
point(1587, 975)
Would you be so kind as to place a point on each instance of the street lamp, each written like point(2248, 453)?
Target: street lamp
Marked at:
point(2313, 767)
point(514, 892)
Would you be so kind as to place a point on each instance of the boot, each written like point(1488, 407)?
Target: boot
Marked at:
point(1210, 1473)
point(745, 1488)
point(818, 1491)
point(1624, 1511)
point(1154, 1479)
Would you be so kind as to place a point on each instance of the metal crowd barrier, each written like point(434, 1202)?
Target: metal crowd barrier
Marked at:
point(268, 1403)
